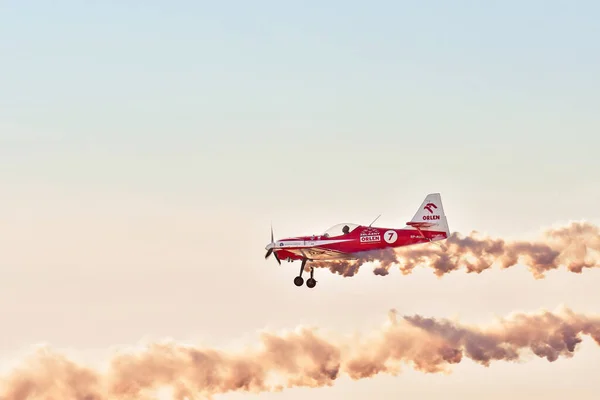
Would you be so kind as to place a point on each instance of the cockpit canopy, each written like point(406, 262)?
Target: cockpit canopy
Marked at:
point(338, 230)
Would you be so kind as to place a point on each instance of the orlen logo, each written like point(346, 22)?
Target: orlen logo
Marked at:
point(370, 238)
point(428, 207)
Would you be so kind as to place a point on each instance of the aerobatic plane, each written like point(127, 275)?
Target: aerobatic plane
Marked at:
point(346, 241)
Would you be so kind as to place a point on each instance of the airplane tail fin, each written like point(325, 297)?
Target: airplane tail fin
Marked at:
point(431, 217)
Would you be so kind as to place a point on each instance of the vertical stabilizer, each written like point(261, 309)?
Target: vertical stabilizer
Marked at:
point(430, 216)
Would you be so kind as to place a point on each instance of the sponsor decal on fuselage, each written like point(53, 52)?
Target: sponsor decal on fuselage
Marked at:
point(370, 235)
point(370, 239)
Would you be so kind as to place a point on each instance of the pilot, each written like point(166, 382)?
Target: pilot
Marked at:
point(346, 229)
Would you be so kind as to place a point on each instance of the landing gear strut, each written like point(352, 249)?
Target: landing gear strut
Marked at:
point(310, 282)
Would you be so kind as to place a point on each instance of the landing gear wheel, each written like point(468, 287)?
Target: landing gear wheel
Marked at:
point(311, 283)
point(299, 280)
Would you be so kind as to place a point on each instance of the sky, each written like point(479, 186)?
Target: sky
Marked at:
point(147, 147)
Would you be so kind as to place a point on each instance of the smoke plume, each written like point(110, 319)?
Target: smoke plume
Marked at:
point(301, 358)
point(575, 246)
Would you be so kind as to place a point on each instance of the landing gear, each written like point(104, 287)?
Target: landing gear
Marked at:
point(310, 282)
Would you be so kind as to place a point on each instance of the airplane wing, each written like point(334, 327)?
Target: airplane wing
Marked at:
point(318, 253)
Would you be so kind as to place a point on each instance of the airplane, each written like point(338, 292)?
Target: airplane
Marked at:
point(346, 241)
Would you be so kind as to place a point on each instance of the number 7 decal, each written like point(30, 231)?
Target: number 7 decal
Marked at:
point(390, 236)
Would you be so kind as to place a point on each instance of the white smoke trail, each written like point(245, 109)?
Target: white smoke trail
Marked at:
point(574, 247)
point(301, 358)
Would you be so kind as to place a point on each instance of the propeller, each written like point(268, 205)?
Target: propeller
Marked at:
point(270, 248)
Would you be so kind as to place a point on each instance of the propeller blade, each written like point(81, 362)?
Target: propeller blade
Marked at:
point(269, 253)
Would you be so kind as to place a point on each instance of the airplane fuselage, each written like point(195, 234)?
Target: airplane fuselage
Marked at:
point(347, 246)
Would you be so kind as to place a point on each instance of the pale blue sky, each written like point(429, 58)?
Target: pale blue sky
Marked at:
point(192, 93)
point(138, 139)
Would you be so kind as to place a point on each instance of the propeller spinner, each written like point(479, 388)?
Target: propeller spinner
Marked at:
point(270, 248)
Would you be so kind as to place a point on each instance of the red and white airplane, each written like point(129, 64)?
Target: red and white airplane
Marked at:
point(347, 241)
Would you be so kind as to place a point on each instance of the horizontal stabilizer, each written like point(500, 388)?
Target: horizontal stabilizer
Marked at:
point(420, 224)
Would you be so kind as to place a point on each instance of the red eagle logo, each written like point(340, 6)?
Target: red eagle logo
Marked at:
point(428, 207)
